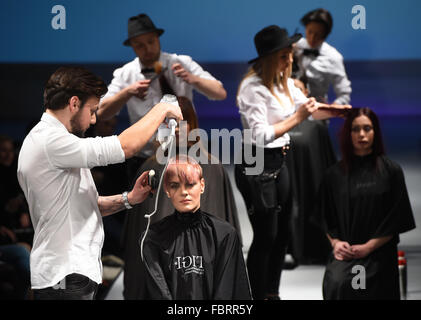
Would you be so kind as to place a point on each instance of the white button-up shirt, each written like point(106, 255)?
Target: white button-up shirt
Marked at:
point(131, 72)
point(260, 110)
point(53, 171)
point(324, 70)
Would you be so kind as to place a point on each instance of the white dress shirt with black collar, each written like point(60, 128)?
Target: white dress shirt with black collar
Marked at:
point(326, 68)
point(132, 72)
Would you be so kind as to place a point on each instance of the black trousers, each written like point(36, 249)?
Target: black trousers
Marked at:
point(270, 224)
point(73, 287)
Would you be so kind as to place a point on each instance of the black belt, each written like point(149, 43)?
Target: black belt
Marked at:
point(278, 151)
point(274, 157)
point(282, 151)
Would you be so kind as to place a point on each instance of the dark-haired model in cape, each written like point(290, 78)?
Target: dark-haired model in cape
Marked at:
point(363, 207)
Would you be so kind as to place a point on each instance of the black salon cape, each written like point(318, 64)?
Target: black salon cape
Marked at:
point(356, 207)
point(194, 256)
point(310, 155)
point(218, 198)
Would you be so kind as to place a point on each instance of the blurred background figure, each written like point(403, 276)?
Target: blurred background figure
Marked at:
point(16, 232)
point(319, 62)
point(142, 82)
point(14, 214)
point(317, 67)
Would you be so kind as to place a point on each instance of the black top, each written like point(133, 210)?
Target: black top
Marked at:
point(368, 201)
point(194, 256)
point(218, 199)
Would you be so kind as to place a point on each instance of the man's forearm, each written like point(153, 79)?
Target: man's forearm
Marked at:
point(111, 105)
point(136, 136)
point(111, 204)
point(210, 88)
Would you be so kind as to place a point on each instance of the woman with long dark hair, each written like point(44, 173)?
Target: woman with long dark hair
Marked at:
point(363, 206)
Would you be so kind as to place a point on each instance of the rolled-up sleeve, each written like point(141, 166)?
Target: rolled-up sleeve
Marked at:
point(68, 151)
point(194, 68)
point(297, 95)
point(340, 82)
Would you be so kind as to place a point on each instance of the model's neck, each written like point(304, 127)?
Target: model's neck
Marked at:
point(362, 153)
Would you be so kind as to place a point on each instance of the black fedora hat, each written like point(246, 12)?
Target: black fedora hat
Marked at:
point(272, 39)
point(140, 24)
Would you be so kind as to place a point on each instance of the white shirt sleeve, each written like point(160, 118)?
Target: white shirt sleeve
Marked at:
point(194, 68)
point(252, 103)
point(297, 95)
point(66, 151)
point(340, 82)
point(117, 83)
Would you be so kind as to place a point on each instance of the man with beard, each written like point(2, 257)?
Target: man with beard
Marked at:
point(142, 82)
point(54, 173)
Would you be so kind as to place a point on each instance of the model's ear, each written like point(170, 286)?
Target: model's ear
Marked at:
point(202, 185)
point(166, 191)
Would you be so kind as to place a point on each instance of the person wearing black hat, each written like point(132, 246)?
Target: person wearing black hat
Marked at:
point(141, 83)
point(321, 63)
point(270, 105)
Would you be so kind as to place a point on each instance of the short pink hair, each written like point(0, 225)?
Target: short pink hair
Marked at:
point(185, 167)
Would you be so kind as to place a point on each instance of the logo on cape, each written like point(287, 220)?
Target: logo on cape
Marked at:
point(190, 264)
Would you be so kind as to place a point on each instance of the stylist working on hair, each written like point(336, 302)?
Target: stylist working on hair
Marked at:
point(270, 105)
point(53, 171)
